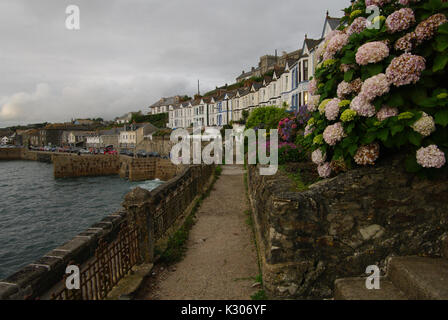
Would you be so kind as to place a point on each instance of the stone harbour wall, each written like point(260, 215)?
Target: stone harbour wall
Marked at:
point(11, 153)
point(339, 226)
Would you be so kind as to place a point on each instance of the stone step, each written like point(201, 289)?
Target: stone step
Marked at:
point(355, 289)
point(420, 278)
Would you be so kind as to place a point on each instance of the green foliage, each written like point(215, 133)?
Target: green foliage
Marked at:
point(159, 120)
point(266, 117)
point(430, 94)
point(259, 295)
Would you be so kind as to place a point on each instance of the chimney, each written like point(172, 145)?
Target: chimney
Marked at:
point(328, 14)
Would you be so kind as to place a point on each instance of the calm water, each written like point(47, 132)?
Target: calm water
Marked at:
point(39, 213)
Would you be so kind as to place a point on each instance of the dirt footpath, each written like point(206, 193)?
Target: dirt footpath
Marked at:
point(221, 260)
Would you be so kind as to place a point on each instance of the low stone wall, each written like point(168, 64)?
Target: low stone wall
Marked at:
point(342, 225)
point(159, 212)
point(10, 154)
point(139, 169)
point(85, 165)
point(155, 214)
point(34, 280)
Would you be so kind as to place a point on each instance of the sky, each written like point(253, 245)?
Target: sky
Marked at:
point(128, 54)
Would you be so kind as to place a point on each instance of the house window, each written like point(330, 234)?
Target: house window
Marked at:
point(300, 71)
point(305, 70)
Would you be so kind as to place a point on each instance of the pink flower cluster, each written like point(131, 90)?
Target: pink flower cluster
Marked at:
point(375, 86)
point(309, 129)
point(406, 43)
point(313, 103)
point(362, 106)
point(367, 155)
point(427, 28)
point(324, 170)
point(312, 87)
point(333, 133)
point(378, 3)
point(344, 89)
point(386, 112)
point(431, 157)
point(405, 69)
point(400, 20)
point(406, 2)
point(358, 25)
point(372, 52)
point(318, 157)
point(335, 45)
point(425, 125)
point(332, 109)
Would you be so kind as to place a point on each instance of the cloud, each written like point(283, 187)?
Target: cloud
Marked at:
point(128, 54)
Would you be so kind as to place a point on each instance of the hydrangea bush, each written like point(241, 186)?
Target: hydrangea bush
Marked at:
point(383, 90)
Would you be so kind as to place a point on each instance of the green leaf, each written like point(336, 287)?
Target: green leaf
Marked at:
point(443, 29)
point(395, 100)
point(415, 138)
point(418, 95)
point(441, 43)
point(383, 134)
point(348, 76)
point(371, 70)
point(349, 57)
point(440, 62)
point(429, 102)
point(352, 149)
point(395, 129)
point(442, 118)
point(412, 165)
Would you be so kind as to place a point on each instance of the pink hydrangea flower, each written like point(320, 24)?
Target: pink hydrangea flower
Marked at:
point(309, 129)
point(362, 106)
point(367, 155)
point(333, 133)
point(375, 86)
point(386, 112)
point(372, 52)
point(431, 157)
point(344, 89)
point(312, 87)
point(428, 28)
point(332, 109)
point(318, 157)
point(378, 3)
point(405, 69)
point(400, 20)
point(358, 25)
point(324, 170)
point(313, 103)
point(336, 43)
point(425, 125)
point(406, 43)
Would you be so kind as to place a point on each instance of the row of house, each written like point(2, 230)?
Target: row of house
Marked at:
point(285, 85)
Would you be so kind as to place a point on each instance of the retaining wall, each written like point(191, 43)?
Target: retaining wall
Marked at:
point(342, 225)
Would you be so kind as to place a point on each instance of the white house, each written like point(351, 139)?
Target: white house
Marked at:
point(5, 140)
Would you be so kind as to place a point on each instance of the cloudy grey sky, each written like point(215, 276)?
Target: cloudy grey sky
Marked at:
point(129, 53)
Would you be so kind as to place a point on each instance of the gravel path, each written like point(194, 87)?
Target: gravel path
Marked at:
point(221, 260)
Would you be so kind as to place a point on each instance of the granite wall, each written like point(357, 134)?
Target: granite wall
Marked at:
point(339, 226)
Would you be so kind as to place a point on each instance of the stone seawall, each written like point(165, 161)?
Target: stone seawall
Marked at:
point(85, 165)
point(11, 154)
point(342, 225)
point(156, 215)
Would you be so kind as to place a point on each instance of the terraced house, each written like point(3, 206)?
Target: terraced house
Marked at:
point(277, 81)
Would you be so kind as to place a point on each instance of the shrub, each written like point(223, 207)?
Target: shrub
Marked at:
point(266, 117)
point(394, 79)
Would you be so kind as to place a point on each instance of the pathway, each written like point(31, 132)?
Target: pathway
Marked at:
point(221, 260)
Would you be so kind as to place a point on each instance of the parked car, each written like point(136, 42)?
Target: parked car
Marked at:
point(141, 154)
point(84, 151)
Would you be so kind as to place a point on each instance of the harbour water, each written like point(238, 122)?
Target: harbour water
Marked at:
point(39, 212)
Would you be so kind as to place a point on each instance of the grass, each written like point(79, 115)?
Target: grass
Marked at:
point(176, 247)
point(259, 295)
point(296, 177)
